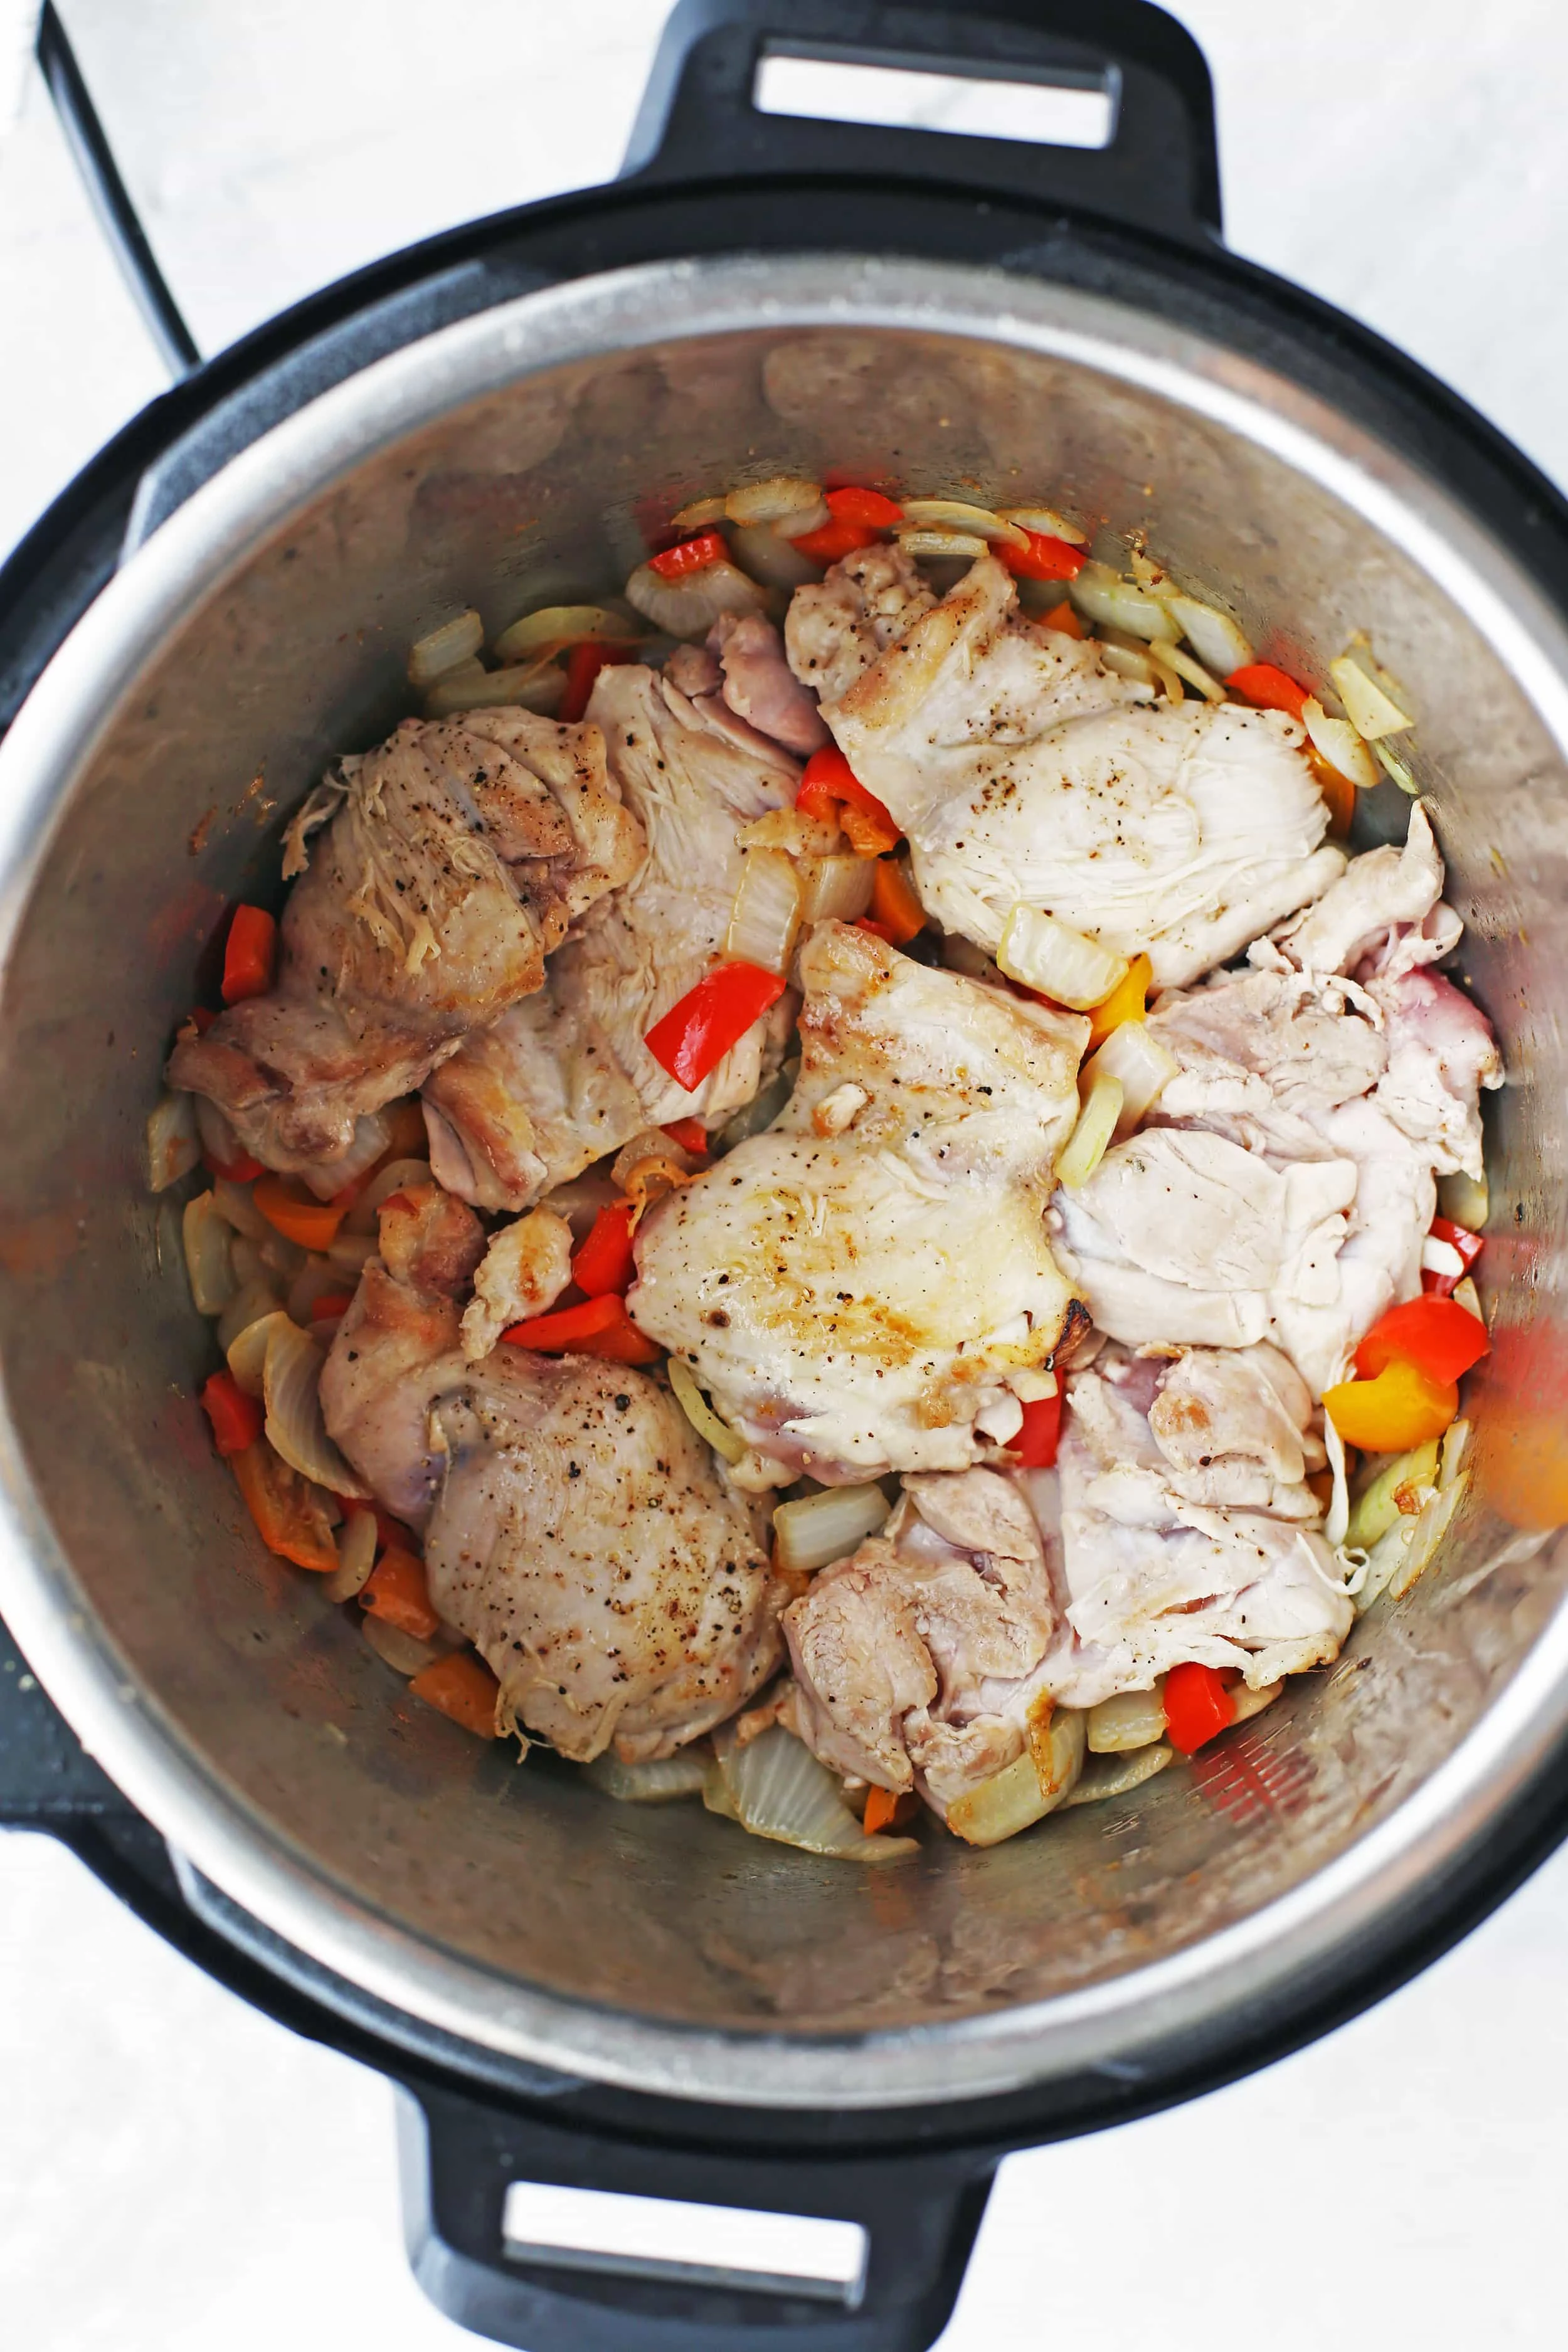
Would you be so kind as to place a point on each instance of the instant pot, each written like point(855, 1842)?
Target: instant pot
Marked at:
point(570, 1991)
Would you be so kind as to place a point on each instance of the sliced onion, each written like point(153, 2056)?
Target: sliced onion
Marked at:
point(1058, 962)
point(247, 1350)
point(1465, 1294)
point(1087, 1145)
point(362, 1217)
point(820, 1528)
point(1213, 635)
point(236, 1204)
point(836, 889)
point(689, 606)
point(698, 514)
point(931, 542)
point(208, 1237)
point(1191, 671)
point(295, 1429)
point(655, 1782)
point(1126, 662)
point(280, 1255)
point(580, 1199)
point(356, 1557)
point(1167, 673)
point(1454, 1445)
point(1401, 1555)
point(531, 686)
point(1046, 521)
point(1408, 1479)
point(1024, 1793)
point(404, 1652)
point(788, 499)
point(700, 1414)
point(779, 1791)
point(371, 1138)
point(456, 640)
point(1396, 768)
point(1117, 1776)
point(1465, 1200)
point(764, 922)
point(350, 1252)
point(771, 558)
point(956, 515)
point(219, 1140)
point(173, 1149)
point(1134, 1054)
point(1131, 1719)
point(1370, 708)
point(251, 1305)
point(1248, 1701)
point(1340, 744)
point(1113, 602)
point(554, 627)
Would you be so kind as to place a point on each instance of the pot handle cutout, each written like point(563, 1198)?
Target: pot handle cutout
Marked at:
point(1106, 111)
point(551, 2236)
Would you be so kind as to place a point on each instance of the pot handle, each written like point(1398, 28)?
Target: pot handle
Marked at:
point(1158, 169)
point(888, 2264)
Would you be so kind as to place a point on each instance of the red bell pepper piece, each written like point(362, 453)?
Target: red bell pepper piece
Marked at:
point(1439, 1339)
point(331, 1303)
point(604, 1266)
point(1261, 683)
point(690, 1133)
point(1438, 1281)
point(690, 555)
point(235, 1172)
point(249, 954)
point(828, 782)
point(832, 540)
point(883, 931)
point(1198, 1706)
point(584, 664)
point(598, 1327)
point(867, 508)
point(695, 1034)
point(236, 1419)
point(1035, 1446)
point(1044, 559)
point(203, 1016)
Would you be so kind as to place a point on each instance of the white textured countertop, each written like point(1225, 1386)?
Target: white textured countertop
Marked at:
point(177, 2172)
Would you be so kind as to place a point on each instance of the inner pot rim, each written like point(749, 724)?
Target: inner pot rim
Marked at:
point(1348, 1904)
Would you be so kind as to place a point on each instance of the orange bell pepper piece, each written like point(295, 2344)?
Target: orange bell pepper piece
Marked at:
point(296, 1214)
point(1067, 619)
point(1270, 688)
point(395, 1589)
point(894, 904)
point(1126, 1001)
point(1402, 1407)
point(597, 1327)
point(829, 788)
point(250, 955)
point(289, 1513)
point(463, 1688)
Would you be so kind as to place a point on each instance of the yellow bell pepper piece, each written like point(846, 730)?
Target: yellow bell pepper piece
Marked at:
point(1404, 1407)
point(1126, 1001)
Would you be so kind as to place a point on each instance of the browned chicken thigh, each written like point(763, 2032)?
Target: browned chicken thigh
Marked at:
point(453, 860)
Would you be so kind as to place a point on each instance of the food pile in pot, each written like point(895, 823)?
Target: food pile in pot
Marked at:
point(831, 1195)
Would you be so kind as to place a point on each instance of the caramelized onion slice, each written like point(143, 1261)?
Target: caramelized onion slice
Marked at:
point(777, 1789)
point(291, 1377)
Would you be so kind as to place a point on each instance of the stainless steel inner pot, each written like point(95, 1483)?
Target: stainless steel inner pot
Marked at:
point(517, 457)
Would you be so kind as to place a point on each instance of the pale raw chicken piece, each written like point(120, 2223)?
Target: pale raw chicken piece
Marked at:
point(834, 630)
point(1296, 1079)
point(575, 1527)
point(1186, 1530)
point(524, 1271)
point(917, 1661)
point(549, 1090)
point(758, 684)
point(1021, 769)
point(454, 858)
point(858, 1286)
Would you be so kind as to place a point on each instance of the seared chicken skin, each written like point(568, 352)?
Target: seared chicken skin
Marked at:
point(453, 860)
point(562, 1080)
point(917, 1661)
point(1286, 1182)
point(1022, 768)
point(861, 1287)
point(575, 1526)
